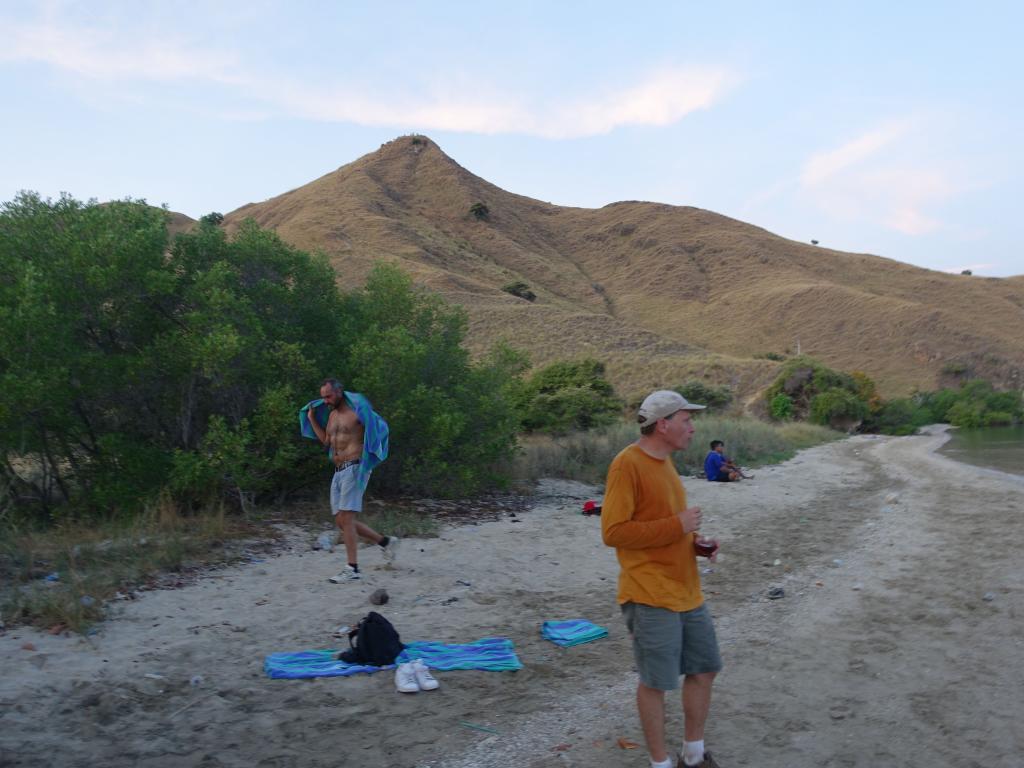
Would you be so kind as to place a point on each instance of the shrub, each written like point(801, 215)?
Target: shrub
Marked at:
point(838, 408)
point(802, 378)
point(480, 211)
point(213, 219)
point(520, 289)
point(781, 407)
point(567, 395)
point(705, 394)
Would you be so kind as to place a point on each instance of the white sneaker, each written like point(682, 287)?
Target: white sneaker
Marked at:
point(405, 679)
point(425, 680)
point(349, 574)
point(391, 549)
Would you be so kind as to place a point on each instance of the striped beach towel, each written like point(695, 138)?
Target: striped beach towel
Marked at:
point(572, 632)
point(493, 654)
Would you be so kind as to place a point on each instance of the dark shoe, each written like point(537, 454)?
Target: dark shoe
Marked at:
point(707, 762)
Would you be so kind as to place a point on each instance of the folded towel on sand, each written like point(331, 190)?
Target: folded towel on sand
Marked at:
point(572, 632)
point(490, 653)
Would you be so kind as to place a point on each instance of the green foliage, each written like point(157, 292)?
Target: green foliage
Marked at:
point(565, 396)
point(781, 407)
point(520, 289)
point(451, 420)
point(837, 408)
point(212, 219)
point(803, 378)
point(128, 363)
point(480, 211)
point(770, 356)
point(705, 394)
point(974, 404)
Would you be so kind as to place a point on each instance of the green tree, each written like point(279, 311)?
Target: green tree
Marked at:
point(567, 395)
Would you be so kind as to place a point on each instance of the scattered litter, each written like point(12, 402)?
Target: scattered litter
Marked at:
point(196, 681)
point(776, 592)
point(988, 597)
point(463, 583)
point(55, 576)
point(27, 647)
point(476, 727)
point(857, 587)
point(777, 562)
point(325, 541)
point(379, 597)
point(837, 561)
point(627, 744)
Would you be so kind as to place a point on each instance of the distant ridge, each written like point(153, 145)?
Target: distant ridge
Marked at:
point(661, 293)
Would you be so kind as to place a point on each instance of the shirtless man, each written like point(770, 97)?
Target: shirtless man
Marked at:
point(344, 436)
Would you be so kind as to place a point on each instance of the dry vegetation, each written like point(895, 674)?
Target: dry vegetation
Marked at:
point(659, 292)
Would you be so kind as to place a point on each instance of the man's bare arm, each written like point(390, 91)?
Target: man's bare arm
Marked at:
point(321, 433)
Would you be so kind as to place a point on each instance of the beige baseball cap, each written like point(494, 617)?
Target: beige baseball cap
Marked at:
point(662, 404)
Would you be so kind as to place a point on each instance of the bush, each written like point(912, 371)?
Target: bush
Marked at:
point(838, 408)
point(802, 378)
point(128, 362)
point(480, 211)
point(705, 394)
point(520, 289)
point(565, 396)
point(781, 407)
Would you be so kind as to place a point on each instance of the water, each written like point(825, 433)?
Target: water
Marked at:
point(999, 448)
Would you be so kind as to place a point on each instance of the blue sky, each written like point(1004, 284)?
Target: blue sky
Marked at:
point(888, 128)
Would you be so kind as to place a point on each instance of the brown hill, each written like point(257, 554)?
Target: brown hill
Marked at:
point(661, 293)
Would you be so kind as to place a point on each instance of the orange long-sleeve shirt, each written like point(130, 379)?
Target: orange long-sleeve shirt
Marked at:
point(643, 497)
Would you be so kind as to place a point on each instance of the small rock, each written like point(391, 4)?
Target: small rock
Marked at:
point(837, 561)
point(87, 601)
point(776, 593)
point(892, 498)
point(988, 597)
point(777, 562)
point(27, 647)
point(379, 597)
point(857, 587)
point(196, 680)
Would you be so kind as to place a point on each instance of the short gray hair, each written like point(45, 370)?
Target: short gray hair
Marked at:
point(334, 384)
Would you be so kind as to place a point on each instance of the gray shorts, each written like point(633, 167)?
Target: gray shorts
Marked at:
point(346, 495)
point(667, 644)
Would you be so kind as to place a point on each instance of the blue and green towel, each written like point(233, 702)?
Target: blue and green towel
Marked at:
point(572, 632)
point(375, 430)
point(493, 654)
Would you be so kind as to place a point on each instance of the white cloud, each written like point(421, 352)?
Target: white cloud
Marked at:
point(881, 178)
point(660, 98)
point(101, 55)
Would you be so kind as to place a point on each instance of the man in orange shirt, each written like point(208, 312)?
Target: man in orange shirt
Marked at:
point(646, 519)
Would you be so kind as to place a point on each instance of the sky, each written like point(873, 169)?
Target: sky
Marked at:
point(895, 129)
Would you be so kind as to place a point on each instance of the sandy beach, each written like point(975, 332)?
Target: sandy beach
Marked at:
point(898, 641)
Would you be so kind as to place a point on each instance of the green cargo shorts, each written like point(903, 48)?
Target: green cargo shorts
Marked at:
point(668, 644)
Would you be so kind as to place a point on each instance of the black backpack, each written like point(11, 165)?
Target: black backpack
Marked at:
point(374, 641)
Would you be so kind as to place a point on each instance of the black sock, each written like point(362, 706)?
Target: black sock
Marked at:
point(383, 541)
point(354, 567)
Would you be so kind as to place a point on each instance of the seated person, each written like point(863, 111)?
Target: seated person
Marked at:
point(717, 467)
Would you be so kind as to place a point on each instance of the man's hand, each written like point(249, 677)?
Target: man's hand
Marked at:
point(690, 518)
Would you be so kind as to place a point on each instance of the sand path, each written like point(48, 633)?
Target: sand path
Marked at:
point(898, 641)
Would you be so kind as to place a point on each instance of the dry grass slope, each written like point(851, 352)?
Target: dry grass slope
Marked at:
point(661, 293)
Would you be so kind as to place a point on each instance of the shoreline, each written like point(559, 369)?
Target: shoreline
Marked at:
point(894, 634)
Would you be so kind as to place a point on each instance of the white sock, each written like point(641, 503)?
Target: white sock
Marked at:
point(666, 763)
point(693, 752)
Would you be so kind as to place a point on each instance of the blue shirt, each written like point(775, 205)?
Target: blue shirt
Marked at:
point(713, 465)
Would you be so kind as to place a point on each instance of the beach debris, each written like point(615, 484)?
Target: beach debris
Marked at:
point(87, 601)
point(154, 676)
point(463, 583)
point(988, 597)
point(857, 587)
point(379, 596)
point(837, 561)
point(561, 747)
point(591, 507)
point(777, 562)
point(892, 498)
point(627, 744)
point(55, 576)
point(196, 680)
point(27, 647)
point(776, 593)
point(476, 727)
point(324, 541)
